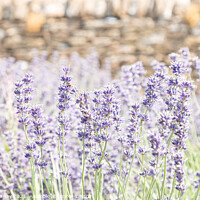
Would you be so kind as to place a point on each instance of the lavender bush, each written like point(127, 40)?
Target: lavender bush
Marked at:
point(78, 134)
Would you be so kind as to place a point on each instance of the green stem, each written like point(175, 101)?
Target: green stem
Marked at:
point(103, 152)
point(52, 190)
point(65, 192)
point(83, 169)
point(90, 181)
point(158, 190)
point(104, 149)
point(63, 149)
point(173, 186)
point(46, 184)
point(137, 188)
point(144, 188)
point(96, 185)
point(130, 170)
point(116, 177)
point(71, 190)
point(25, 130)
point(120, 171)
point(139, 160)
point(32, 164)
point(33, 176)
point(44, 174)
point(100, 184)
point(179, 195)
point(115, 173)
point(64, 167)
point(121, 161)
point(60, 153)
point(197, 194)
point(61, 165)
point(41, 182)
point(165, 170)
point(169, 139)
point(7, 183)
point(139, 178)
point(151, 186)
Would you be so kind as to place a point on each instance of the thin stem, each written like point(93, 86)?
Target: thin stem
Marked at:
point(158, 189)
point(100, 184)
point(83, 169)
point(96, 185)
point(173, 186)
point(71, 190)
point(11, 174)
point(90, 181)
point(64, 167)
point(125, 174)
point(32, 164)
point(104, 149)
point(130, 170)
point(7, 183)
point(25, 131)
point(83, 164)
point(139, 160)
point(179, 194)
point(144, 188)
point(61, 165)
point(33, 175)
point(41, 182)
point(165, 170)
point(65, 188)
point(44, 174)
point(60, 153)
point(52, 190)
point(63, 149)
point(151, 186)
point(116, 177)
point(46, 184)
point(139, 178)
point(120, 170)
point(103, 152)
point(137, 188)
point(197, 194)
point(121, 160)
point(169, 139)
point(115, 174)
point(57, 185)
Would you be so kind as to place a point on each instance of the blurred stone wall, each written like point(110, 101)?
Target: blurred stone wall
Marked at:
point(20, 9)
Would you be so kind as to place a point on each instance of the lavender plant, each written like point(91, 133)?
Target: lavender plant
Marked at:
point(136, 138)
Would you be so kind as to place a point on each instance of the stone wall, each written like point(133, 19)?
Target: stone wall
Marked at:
point(123, 41)
point(20, 9)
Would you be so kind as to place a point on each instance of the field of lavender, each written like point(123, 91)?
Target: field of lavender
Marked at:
point(70, 132)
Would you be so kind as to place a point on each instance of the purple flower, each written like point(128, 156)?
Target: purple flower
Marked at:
point(177, 67)
point(23, 97)
point(154, 86)
point(65, 90)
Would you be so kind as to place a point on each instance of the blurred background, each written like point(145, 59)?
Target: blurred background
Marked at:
point(123, 30)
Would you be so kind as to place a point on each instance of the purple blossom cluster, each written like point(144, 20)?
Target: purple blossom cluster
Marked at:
point(135, 138)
